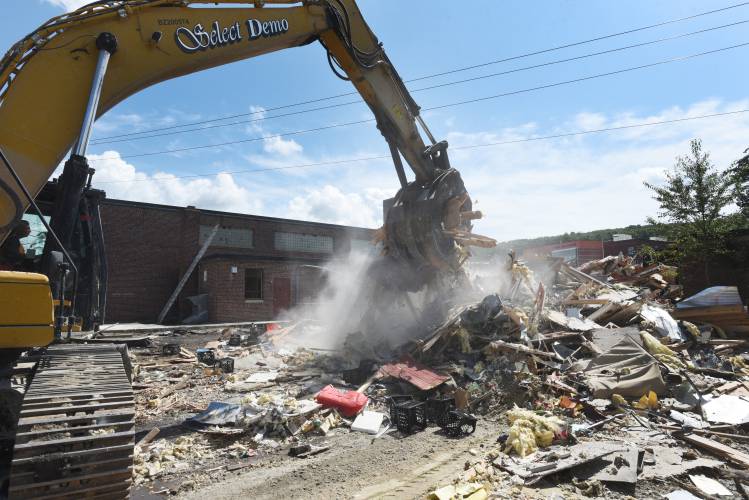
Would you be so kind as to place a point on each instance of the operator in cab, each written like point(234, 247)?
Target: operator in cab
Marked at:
point(12, 252)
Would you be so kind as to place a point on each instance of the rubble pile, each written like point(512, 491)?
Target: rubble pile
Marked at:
point(590, 380)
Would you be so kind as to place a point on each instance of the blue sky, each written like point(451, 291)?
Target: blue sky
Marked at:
point(524, 189)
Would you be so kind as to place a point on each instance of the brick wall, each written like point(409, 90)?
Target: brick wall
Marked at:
point(149, 248)
point(226, 290)
point(143, 256)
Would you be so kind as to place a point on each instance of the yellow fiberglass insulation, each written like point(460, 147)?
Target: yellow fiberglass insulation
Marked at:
point(529, 431)
point(661, 352)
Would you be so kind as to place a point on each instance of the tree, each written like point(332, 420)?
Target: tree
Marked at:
point(695, 200)
point(740, 172)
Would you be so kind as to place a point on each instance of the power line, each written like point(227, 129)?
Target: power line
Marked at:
point(592, 77)
point(473, 146)
point(443, 106)
point(574, 44)
point(251, 139)
point(466, 68)
point(447, 84)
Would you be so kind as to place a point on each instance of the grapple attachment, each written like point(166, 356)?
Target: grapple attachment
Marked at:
point(428, 227)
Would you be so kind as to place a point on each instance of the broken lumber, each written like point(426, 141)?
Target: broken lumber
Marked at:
point(502, 346)
point(735, 437)
point(148, 437)
point(717, 449)
point(171, 389)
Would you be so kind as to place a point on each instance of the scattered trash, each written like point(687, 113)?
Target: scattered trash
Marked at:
point(727, 409)
point(594, 378)
point(530, 431)
point(349, 403)
point(368, 421)
point(206, 356)
point(409, 416)
point(710, 486)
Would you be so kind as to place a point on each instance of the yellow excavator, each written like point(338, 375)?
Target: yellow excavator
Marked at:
point(67, 423)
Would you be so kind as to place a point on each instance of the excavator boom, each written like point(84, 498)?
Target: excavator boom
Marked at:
point(54, 83)
point(45, 82)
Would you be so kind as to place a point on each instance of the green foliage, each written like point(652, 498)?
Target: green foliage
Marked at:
point(694, 200)
point(637, 231)
point(740, 173)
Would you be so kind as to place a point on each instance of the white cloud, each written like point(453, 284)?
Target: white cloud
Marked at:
point(330, 204)
point(525, 189)
point(588, 182)
point(69, 5)
point(123, 180)
point(281, 146)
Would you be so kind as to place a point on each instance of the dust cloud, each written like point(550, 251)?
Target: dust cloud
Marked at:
point(363, 307)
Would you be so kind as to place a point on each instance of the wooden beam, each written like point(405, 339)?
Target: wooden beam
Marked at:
point(500, 345)
point(717, 449)
point(186, 276)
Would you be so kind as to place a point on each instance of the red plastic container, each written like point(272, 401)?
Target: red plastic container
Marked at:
point(349, 403)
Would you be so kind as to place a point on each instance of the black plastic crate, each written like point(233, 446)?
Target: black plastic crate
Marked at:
point(206, 356)
point(410, 416)
point(170, 349)
point(226, 364)
point(394, 401)
point(438, 409)
point(459, 423)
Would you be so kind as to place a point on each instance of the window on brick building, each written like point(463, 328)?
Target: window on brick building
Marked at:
point(227, 237)
point(298, 242)
point(253, 284)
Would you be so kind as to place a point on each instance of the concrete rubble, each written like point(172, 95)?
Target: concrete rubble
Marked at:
point(592, 382)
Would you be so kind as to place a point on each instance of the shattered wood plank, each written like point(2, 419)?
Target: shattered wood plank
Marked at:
point(502, 346)
point(602, 313)
point(703, 312)
point(716, 448)
point(553, 336)
point(171, 389)
point(148, 437)
point(735, 437)
point(582, 302)
point(579, 274)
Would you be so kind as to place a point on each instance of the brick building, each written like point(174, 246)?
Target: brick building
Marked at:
point(576, 252)
point(254, 268)
point(579, 252)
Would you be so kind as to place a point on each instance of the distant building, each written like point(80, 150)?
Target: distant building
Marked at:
point(254, 268)
point(575, 253)
point(630, 247)
point(578, 252)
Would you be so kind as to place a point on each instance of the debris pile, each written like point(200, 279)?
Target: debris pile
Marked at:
point(589, 379)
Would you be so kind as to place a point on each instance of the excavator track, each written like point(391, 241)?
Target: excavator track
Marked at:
point(75, 431)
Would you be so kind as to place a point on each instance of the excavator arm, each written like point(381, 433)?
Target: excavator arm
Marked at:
point(49, 83)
